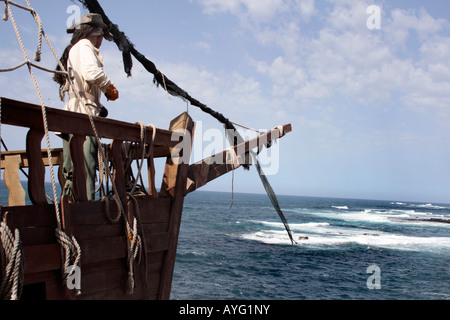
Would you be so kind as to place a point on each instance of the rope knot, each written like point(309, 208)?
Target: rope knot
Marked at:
point(12, 263)
point(72, 253)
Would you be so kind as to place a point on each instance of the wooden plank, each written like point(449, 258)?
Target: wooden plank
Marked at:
point(57, 157)
point(30, 216)
point(91, 232)
point(37, 236)
point(42, 258)
point(175, 219)
point(79, 167)
point(151, 173)
point(107, 280)
point(27, 115)
point(36, 172)
point(97, 250)
point(12, 181)
point(112, 278)
point(153, 210)
point(179, 124)
point(119, 173)
point(40, 277)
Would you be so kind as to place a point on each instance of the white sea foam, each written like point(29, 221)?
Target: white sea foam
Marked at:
point(340, 207)
point(391, 216)
point(326, 235)
point(422, 206)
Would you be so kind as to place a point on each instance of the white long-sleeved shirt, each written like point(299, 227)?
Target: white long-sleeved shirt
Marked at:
point(85, 67)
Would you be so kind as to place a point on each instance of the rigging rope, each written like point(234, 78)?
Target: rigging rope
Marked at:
point(128, 50)
point(72, 251)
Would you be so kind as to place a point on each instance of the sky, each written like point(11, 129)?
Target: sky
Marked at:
point(367, 94)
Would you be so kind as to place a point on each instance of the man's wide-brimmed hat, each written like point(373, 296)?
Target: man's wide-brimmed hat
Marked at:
point(93, 19)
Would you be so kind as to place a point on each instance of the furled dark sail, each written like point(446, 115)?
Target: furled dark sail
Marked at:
point(128, 51)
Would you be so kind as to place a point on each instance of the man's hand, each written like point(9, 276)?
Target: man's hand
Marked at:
point(112, 93)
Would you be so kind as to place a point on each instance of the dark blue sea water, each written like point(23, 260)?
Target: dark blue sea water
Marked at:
point(244, 252)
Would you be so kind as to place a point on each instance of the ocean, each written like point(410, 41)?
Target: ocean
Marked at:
point(349, 249)
point(346, 249)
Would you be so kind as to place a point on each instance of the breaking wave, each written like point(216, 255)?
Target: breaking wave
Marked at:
point(399, 229)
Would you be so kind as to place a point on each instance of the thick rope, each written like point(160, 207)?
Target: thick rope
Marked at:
point(135, 243)
point(29, 63)
point(12, 263)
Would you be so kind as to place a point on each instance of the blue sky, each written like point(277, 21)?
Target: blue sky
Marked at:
point(369, 108)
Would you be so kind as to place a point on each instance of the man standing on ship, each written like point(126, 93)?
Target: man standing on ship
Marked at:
point(84, 64)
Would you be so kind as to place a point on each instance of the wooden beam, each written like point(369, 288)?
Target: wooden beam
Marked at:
point(12, 181)
point(36, 172)
point(181, 172)
point(21, 114)
point(57, 157)
point(211, 168)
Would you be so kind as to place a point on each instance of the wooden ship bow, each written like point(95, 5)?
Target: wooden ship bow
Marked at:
point(123, 244)
point(127, 240)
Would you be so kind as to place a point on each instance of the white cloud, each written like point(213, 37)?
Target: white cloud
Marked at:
point(204, 46)
point(256, 10)
point(348, 15)
point(404, 21)
point(287, 77)
point(306, 8)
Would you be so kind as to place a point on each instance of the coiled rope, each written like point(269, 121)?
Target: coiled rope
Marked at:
point(12, 263)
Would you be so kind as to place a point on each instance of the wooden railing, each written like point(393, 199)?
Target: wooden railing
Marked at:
point(30, 116)
point(26, 115)
point(103, 244)
point(14, 161)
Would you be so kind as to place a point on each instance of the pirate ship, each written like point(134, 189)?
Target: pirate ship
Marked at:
point(122, 246)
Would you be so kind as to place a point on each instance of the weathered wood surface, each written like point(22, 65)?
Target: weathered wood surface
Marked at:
point(103, 243)
point(27, 115)
point(180, 169)
point(36, 173)
point(57, 157)
point(76, 144)
point(12, 181)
